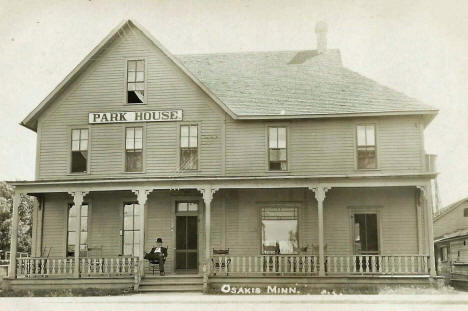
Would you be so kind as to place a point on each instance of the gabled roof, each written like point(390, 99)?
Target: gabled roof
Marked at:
point(448, 209)
point(452, 235)
point(295, 83)
point(31, 120)
point(271, 85)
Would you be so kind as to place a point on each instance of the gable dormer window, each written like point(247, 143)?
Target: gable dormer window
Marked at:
point(136, 81)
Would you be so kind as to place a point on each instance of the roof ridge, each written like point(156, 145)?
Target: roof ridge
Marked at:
point(253, 52)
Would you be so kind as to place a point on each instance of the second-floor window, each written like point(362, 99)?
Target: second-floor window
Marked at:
point(135, 81)
point(134, 149)
point(188, 147)
point(79, 150)
point(277, 153)
point(366, 147)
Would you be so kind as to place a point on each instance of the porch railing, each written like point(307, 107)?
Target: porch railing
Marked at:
point(309, 265)
point(65, 267)
point(265, 264)
point(377, 264)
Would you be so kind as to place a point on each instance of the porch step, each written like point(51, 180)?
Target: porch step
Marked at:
point(171, 283)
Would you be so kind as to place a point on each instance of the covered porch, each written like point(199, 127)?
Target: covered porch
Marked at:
point(323, 248)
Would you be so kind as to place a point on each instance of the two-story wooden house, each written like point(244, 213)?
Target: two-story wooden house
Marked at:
point(281, 166)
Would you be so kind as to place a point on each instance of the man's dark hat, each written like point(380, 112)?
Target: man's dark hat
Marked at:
point(158, 240)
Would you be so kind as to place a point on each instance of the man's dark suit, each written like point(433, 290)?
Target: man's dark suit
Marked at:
point(152, 256)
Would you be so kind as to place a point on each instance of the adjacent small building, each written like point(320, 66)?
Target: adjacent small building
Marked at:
point(451, 241)
point(279, 167)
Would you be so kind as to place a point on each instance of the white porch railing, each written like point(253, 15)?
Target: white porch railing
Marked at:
point(42, 267)
point(377, 264)
point(309, 265)
point(264, 264)
point(65, 267)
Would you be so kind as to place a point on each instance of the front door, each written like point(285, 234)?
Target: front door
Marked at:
point(186, 243)
point(186, 237)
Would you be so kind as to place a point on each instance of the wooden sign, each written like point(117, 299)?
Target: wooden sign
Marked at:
point(135, 116)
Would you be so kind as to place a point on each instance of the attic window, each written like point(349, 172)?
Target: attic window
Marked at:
point(135, 82)
point(465, 212)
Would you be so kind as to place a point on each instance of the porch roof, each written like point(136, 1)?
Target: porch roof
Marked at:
point(234, 182)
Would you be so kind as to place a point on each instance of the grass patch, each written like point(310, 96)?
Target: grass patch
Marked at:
point(69, 292)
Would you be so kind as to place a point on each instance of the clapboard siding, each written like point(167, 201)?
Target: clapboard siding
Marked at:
point(236, 222)
point(324, 146)
point(227, 146)
point(396, 206)
point(451, 221)
point(102, 88)
point(398, 222)
point(54, 232)
point(105, 221)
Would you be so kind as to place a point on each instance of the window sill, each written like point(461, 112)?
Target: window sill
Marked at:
point(125, 172)
point(78, 174)
point(367, 169)
point(187, 171)
point(281, 172)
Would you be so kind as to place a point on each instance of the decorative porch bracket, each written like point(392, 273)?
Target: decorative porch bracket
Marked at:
point(142, 197)
point(14, 234)
point(207, 192)
point(78, 197)
point(426, 195)
point(320, 194)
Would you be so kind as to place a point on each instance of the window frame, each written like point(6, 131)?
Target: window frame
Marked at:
point(122, 228)
point(143, 146)
point(179, 147)
point(286, 127)
point(356, 146)
point(442, 248)
point(70, 151)
point(276, 204)
point(67, 216)
point(366, 210)
point(126, 81)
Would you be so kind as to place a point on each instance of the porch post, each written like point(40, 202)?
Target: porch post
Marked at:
point(426, 195)
point(207, 193)
point(78, 202)
point(14, 234)
point(142, 197)
point(320, 197)
point(420, 223)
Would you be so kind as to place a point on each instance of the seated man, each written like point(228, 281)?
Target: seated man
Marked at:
point(159, 253)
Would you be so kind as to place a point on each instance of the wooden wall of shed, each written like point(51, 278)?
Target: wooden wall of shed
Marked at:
point(452, 221)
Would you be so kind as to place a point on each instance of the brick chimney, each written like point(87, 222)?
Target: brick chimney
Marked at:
point(321, 29)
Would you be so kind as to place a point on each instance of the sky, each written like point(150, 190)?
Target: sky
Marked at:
point(417, 47)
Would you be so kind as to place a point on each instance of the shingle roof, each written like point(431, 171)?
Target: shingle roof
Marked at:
point(293, 83)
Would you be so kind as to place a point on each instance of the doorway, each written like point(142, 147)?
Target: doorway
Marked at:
point(186, 237)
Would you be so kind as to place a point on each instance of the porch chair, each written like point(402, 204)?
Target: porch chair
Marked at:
point(221, 266)
point(153, 262)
